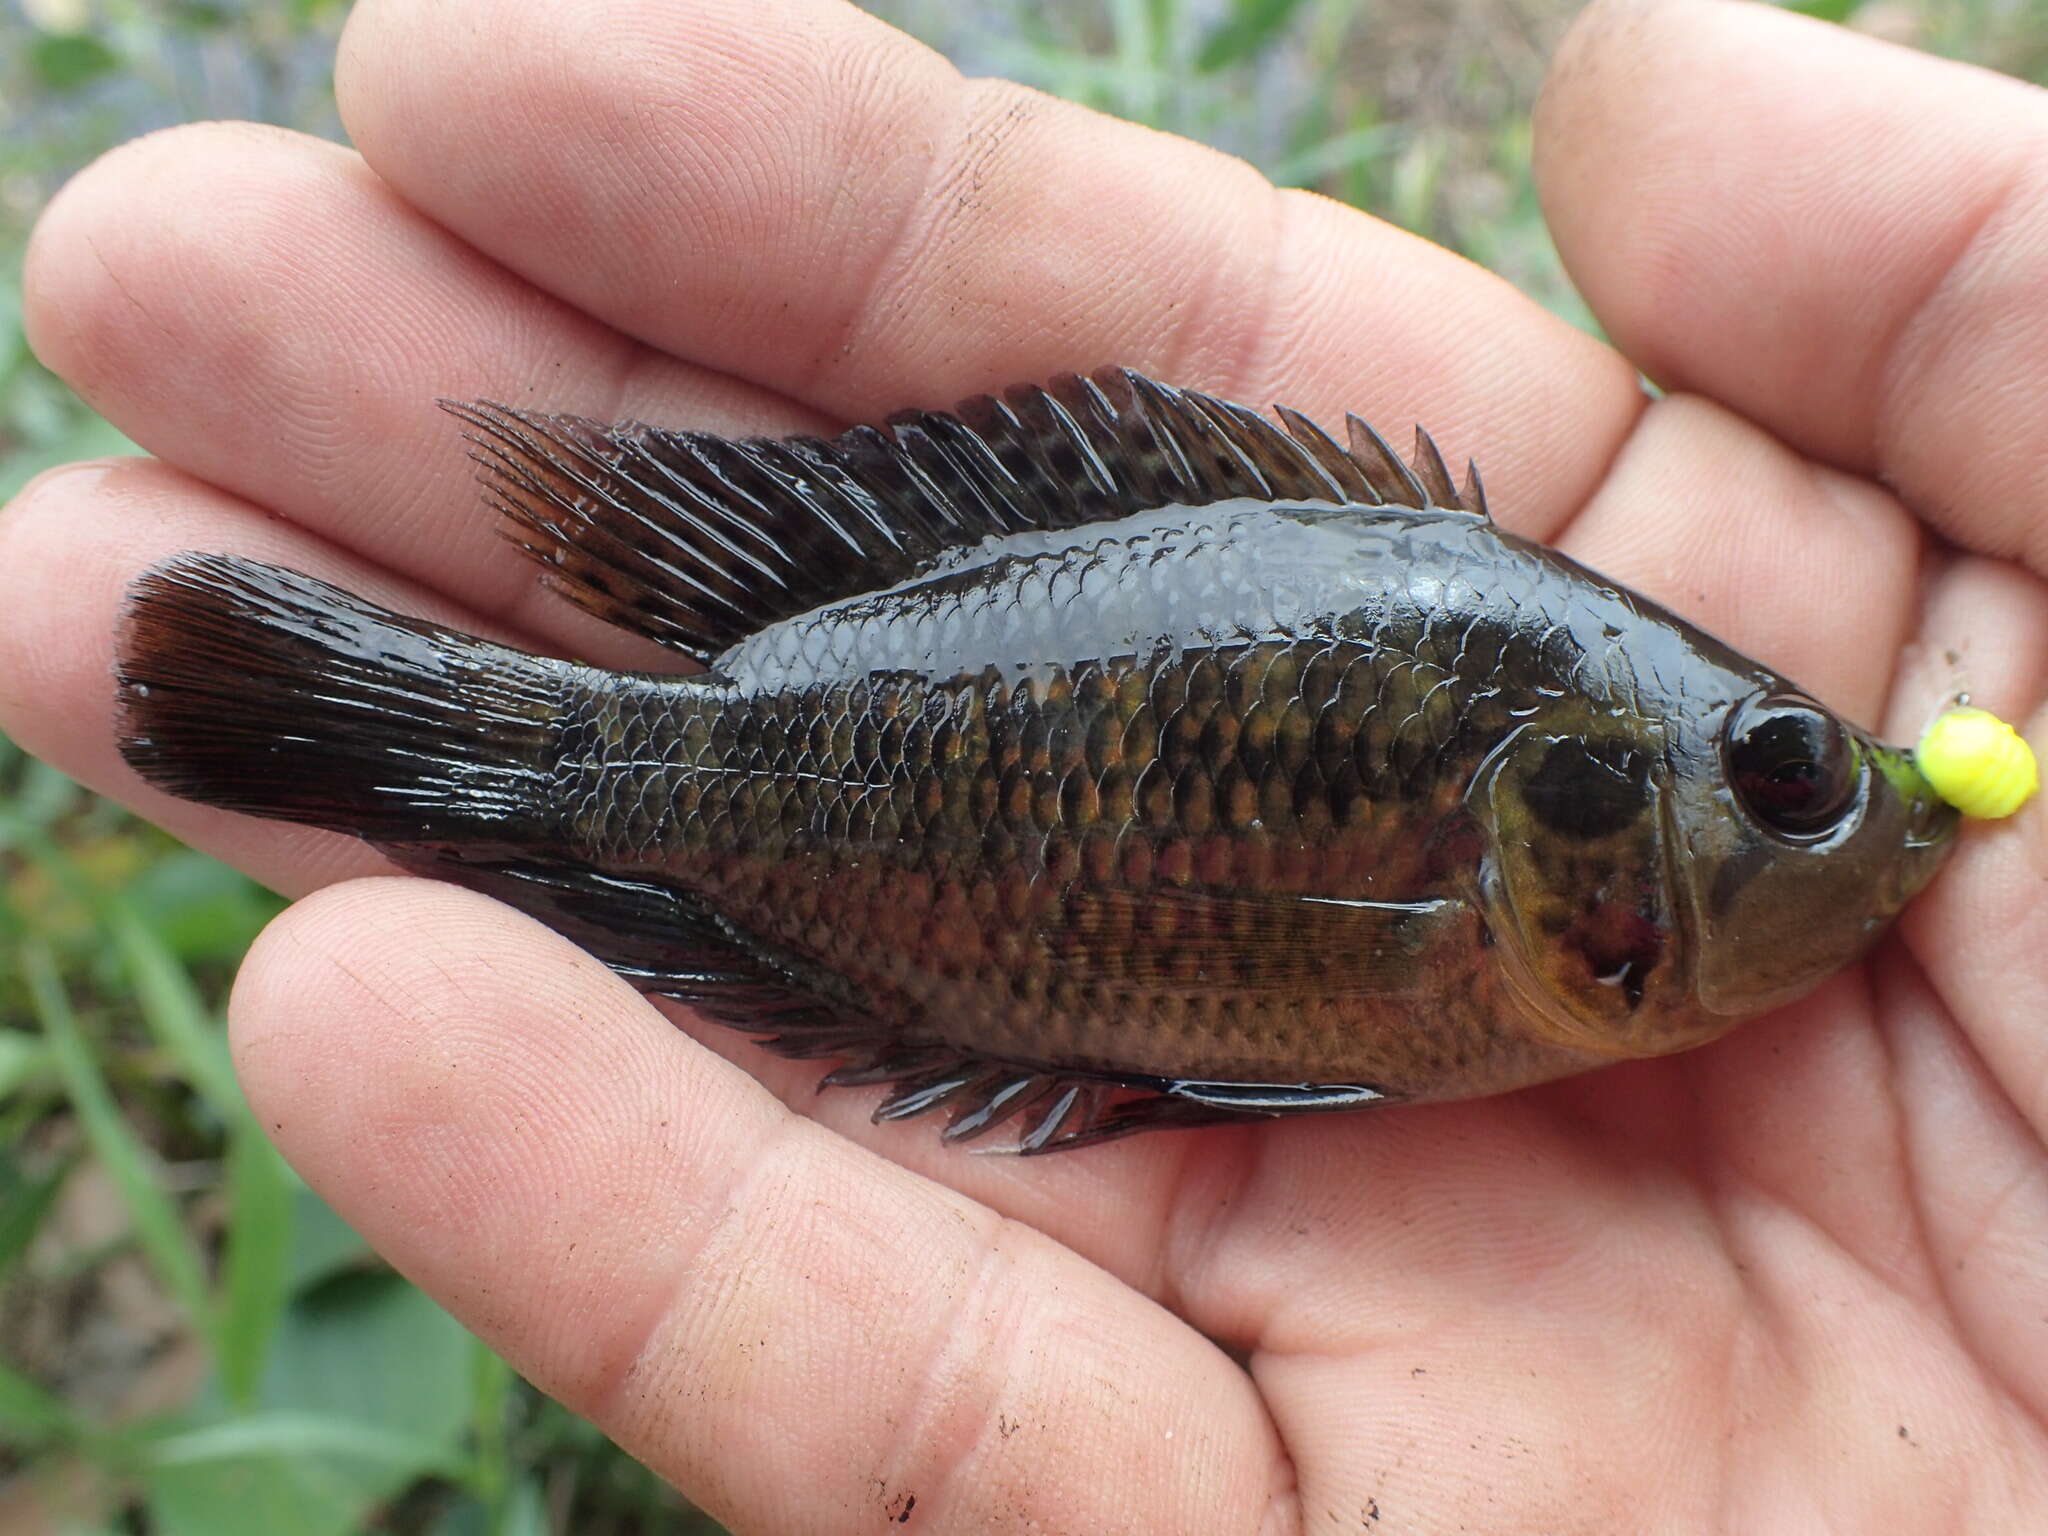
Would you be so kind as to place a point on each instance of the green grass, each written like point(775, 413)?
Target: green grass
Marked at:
point(190, 1341)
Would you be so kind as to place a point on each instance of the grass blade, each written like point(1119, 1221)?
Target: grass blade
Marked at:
point(23, 1209)
point(22, 1056)
point(295, 1435)
point(256, 1265)
point(490, 1397)
point(163, 1237)
point(1337, 155)
point(171, 1006)
point(1244, 33)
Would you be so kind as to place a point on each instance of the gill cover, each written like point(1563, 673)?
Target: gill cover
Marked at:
point(1579, 888)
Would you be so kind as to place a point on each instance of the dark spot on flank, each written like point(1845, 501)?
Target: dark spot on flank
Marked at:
point(1589, 789)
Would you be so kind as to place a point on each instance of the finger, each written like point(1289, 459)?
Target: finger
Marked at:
point(257, 308)
point(71, 544)
point(795, 193)
point(1974, 1156)
point(1810, 571)
point(1982, 930)
point(800, 1335)
point(1842, 240)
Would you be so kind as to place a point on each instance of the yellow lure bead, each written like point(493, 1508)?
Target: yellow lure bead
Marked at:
point(1978, 763)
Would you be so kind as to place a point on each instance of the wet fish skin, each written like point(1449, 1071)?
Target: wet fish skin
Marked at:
point(983, 850)
point(1346, 800)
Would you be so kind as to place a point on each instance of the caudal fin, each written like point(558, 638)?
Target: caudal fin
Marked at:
point(258, 689)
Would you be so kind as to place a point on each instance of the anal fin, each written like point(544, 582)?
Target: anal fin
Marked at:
point(1061, 1111)
point(661, 940)
point(1185, 1104)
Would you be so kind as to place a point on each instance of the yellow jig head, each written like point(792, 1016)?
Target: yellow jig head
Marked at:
point(1978, 763)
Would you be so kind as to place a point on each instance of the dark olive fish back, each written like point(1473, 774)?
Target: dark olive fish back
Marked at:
point(1103, 756)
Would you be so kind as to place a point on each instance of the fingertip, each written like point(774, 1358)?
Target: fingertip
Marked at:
point(121, 265)
point(407, 1002)
point(56, 650)
point(1831, 234)
point(505, 1120)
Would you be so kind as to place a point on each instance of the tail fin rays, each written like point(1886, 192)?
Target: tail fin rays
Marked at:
point(257, 689)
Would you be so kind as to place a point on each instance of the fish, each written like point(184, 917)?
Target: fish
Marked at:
point(1095, 757)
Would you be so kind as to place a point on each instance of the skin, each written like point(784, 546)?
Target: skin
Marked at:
point(1797, 1280)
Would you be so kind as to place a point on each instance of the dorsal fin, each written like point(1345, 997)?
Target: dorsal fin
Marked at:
point(697, 541)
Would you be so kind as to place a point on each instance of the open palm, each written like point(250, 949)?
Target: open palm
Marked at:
point(1796, 1280)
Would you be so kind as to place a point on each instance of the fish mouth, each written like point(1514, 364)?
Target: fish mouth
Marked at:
point(1930, 839)
point(1930, 830)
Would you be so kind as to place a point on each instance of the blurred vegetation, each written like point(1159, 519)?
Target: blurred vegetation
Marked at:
point(190, 1341)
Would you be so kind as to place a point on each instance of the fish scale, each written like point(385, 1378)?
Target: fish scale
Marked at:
point(1333, 824)
point(1102, 757)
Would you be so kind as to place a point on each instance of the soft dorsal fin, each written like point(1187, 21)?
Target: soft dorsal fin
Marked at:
point(697, 541)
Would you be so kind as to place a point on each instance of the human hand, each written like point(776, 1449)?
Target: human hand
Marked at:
point(1795, 1279)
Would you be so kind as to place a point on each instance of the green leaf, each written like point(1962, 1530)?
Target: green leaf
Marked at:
point(169, 1247)
point(199, 908)
point(296, 1435)
point(269, 1491)
point(1825, 10)
point(45, 795)
point(366, 1351)
point(323, 1245)
point(28, 1412)
point(13, 337)
point(367, 1345)
point(90, 438)
point(524, 1513)
point(256, 1265)
point(64, 61)
point(1245, 33)
point(1337, 155)
point(200, 16)
point(22, 1056)
point(23, 1207)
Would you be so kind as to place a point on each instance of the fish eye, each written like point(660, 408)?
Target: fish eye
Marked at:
point(1793, 765)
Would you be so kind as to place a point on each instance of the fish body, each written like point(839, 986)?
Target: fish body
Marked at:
point(1102, 757)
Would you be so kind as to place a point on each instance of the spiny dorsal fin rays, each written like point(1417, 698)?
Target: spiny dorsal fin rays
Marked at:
point(1343, 470)
point(1395, 482)
point(697, 541)
point(1430, 470)
point(1472, 496)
